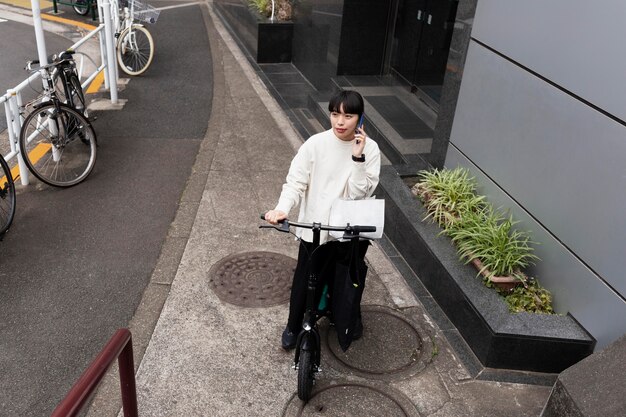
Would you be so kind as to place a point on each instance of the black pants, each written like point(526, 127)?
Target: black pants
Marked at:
point(325, 260)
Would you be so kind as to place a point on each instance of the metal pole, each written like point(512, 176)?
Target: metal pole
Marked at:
point(39, 35)
point(103, 47)
point(110, 48)
point(17, 127)
point(127, 381)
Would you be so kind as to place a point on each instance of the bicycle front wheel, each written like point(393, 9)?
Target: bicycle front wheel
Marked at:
point(306, 375)
point(58, 145)
point(77, 95)
point(81, 7)
point(7, 197)
point(135, 50)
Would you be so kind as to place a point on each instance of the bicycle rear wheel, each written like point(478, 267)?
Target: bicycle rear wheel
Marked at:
point(135, 50)
point(58, 145)
point(7, 197)
point(306, 375)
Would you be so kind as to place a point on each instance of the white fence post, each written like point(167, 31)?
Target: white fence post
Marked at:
point(110, 48)
point(103, 46)
point(39, 35)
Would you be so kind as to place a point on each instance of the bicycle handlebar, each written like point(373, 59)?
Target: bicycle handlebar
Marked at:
point(53, 60)
point(285, 224)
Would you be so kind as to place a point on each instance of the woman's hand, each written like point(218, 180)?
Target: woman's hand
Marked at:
point(359, 143)
point(275, 216)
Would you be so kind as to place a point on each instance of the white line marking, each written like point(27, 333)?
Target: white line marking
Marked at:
point(178, 5)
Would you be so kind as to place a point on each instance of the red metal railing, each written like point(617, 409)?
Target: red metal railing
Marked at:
point(120, 347)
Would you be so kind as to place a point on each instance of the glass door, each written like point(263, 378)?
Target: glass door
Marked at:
point(422, 42)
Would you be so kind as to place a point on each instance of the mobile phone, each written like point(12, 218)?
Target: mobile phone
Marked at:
point(359, 126)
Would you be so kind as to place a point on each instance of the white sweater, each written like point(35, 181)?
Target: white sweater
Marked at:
point(323, 171)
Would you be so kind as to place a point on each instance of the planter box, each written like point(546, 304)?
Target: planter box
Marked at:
point(267, 42)
point(499, 339)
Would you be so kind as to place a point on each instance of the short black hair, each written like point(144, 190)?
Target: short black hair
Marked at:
point(351, 100)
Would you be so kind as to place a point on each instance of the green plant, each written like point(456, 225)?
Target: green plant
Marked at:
point(282, 8)
point(448, 195)
point(483, 236)
point(490, 237)
point(261, 6)
point(531, 298)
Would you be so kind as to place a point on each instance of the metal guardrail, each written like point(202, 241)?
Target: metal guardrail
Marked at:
point(13, 101)
point(119, 347)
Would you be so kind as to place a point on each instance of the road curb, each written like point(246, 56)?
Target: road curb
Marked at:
point(106, 401)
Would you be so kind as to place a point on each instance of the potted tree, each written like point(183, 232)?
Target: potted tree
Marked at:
point(263, 27)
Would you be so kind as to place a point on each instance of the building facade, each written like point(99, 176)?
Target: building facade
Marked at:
point(529, 96)
point(540, 120)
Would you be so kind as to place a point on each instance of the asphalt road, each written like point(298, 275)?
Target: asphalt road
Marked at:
point(76, 261)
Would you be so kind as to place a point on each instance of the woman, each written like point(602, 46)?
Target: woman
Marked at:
point(341, 162)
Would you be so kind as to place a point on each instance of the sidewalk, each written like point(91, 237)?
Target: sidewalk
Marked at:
point(207, 356)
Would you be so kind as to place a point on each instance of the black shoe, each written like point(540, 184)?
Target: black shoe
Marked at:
point(358, 330)
point(288, 340)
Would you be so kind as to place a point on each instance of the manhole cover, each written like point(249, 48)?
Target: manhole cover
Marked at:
point(353, 399)
point(253, 279)
point(391, 346)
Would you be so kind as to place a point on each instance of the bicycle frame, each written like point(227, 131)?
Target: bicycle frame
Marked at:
point(123, 18)
point(62, 68)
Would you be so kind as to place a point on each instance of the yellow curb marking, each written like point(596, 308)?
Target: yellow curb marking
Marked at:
point(94, 87)
point(25, 4)
point(34, 156)
point(68, 21)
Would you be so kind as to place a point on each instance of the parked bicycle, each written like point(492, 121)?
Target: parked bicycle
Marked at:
point(7, 197)
point(135, 46)
point(57, 141)
point(308, 346)
point(82, 7)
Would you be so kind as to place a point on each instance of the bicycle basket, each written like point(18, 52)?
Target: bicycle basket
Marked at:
point(144, 12)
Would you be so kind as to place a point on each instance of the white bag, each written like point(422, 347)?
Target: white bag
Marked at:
point(368, 212)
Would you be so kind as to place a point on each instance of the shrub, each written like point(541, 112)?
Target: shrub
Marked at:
point(490, 237)
point(531, 298)
point(480, 232)
point(448, 195)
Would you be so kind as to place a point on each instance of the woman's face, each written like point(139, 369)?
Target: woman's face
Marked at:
point(344, 124)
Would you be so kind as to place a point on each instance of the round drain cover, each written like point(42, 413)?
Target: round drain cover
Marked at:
point(253, 279)
point(353, 399)
point(391, 346)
